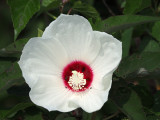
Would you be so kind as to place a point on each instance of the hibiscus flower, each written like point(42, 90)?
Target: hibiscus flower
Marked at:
point(70, 66)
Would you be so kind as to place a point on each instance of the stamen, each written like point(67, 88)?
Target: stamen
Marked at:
point(77, 76)
point(76, 81)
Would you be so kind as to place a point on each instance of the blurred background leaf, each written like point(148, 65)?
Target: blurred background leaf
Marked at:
point(134, 6)
point(136, 83)
point(11, 112)
point(137, 61)
point(127, 101)
point(155, 29)
point(46, 3)
point(121, 22)
point(126, 41)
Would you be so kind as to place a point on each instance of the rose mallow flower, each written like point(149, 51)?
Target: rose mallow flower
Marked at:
point(70, 66)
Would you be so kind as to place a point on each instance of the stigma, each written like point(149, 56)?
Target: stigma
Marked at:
point(77, 81)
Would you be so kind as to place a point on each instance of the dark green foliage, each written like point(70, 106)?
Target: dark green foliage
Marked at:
point(46, 3)
point(126, 41)
point(116, 23)
point(155, 30)
point(127, 101)
point(33, 117)
point(22, 11)
point(134, 6)
point(11, 112)
point(86, 9)
point(135, 92)
point(137, 61)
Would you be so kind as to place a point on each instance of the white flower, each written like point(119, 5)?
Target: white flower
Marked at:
point(71, 65)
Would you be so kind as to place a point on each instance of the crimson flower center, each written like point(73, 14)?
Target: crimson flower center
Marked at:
point(77, 76)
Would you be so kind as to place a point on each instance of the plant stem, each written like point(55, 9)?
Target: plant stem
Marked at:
point(69, 11)
point(110, 11)
point(113, 115)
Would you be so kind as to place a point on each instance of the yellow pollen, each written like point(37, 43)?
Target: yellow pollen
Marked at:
point(76, 81)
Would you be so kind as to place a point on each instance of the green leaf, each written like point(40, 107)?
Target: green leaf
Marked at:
point(11, 112)
point(152, 46)
point(55, 3)
point(134, 6)
point(40, 32)
point(14, 49)
point(116, 23)
point(149, 45)
point(52, 115)
point(155, 31)
point(145, 95)
point(34, 117)
point(148, 60)
point(127, 101)
point(156, 102)
point(12, 76)
point(92, 116)
point(126, 41)
point(153, 117)
point(4, 65)
point(62, 116)
point(17, 46)
point(98, 115)
point(86, 10)
point(69, 118)
point(109, 107)
point(8, 77)
point(143, 76)
point(21, 12)
point(133, 108)
point(86, 116)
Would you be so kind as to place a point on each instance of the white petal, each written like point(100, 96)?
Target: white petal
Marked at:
point(102, 83)
point(42, 56)
point(92, 99)
point(70, 24)
point(75, 33)
point(109, 56)
point(50, 93)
